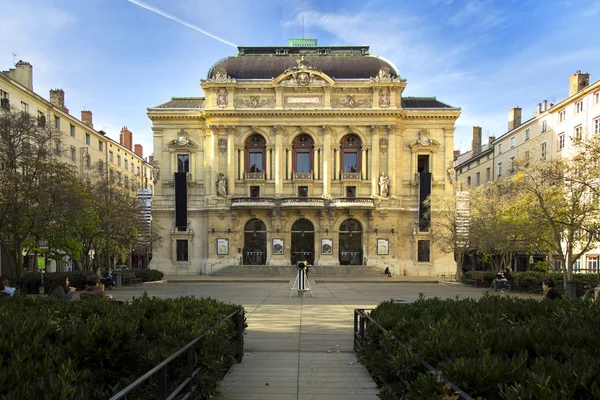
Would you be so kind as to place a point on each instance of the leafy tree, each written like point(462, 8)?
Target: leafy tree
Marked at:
point(30, 176)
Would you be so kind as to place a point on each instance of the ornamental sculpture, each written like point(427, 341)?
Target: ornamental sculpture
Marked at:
point(384, 98)
point(222, 98)
point(182, 138)
point(221, 185)
point(424, 138)
point(221, 76)
point(384, 184)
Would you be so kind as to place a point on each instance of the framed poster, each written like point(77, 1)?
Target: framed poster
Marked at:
point(326, 246)
point(277, 246)
point(222, 247)
point(383, 247)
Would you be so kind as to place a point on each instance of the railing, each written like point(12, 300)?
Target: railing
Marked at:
point(350, 175)
point(303, 175)
point(254, 176)
point(361, 319)
point(253, 202)
point(303, 201)
point(354, 201)
point(188, 349)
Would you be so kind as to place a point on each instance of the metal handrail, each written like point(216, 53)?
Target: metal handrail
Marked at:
point(162, 367)
point(360, 316)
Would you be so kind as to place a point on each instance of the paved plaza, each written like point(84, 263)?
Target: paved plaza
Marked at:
point(299, 347)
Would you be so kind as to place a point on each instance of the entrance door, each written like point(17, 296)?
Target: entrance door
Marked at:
point(303, 242)
point(350, 240)
point(255, 243)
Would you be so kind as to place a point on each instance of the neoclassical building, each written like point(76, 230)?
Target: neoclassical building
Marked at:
point(300, 153)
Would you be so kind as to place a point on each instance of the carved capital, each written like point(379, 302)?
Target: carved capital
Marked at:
point(230, 129)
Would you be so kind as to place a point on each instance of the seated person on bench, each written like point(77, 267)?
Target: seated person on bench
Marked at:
point(93, 290)
point(502, 278)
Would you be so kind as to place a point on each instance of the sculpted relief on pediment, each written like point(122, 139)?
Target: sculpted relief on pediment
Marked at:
point(302, 75)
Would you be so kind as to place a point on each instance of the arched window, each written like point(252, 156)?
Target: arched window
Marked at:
point(303, 146)
point(351, 147)
point(255, 150)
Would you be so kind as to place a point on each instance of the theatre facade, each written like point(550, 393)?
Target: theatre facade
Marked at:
point(300, 154)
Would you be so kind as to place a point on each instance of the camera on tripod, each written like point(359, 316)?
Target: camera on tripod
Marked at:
point(302, 265)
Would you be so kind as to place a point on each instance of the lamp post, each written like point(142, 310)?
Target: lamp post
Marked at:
point(91, 254)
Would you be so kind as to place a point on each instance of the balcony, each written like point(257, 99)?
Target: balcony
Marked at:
point(253, 202)
point(254, 176)
point(352, 202)
point(302, 202)
point(350, 175)
point(303, 176)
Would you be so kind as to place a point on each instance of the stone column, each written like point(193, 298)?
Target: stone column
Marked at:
point(375, 160)
point(363, 172)
point(241, 156)
point(210, 161)
point(393, 158)
point(317, 160)
point(326, 166)
point(231, 160)
point(337, 156)
point(289, 165)
point(268, 164)
point(278, 159)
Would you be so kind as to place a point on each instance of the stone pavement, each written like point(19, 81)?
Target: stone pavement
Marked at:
point(299, 347)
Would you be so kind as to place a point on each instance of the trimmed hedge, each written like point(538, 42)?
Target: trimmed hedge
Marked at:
point(73, 350)
point(149, 275)
point(494, 348)
point(531, 281)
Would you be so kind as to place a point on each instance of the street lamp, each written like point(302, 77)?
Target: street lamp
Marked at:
point(91, 254)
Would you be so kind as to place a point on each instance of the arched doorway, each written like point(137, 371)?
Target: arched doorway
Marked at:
point(255, 243)
point(350, 240)
point(303, 241)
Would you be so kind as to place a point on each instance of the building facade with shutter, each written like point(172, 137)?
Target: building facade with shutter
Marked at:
point(300, 153)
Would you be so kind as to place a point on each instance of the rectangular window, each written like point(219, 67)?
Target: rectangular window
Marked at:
point(4, 100)
point(24, 107)
point(73, 154)
point(125, 165)
point(596, 123)
point(423, 163)
point(100, 166)
point(88, 139)
point(118, 177)
point(112, 175)
point(478, 178)
point(592, 264)
point(543, 152)
point(424, 251)
point(256, 162)
point(118, 160)
point(478, 161)
point(88, 162)
point(597, 98)
point(500, 169)
point(72, 131)
point(41, 118)
point(183, 163)
point(302, 191)
point(254, 191)
point(57, 148)
point(469, 180)
point(57, 122)
point(132, 166)
point(527, 134)
point(138, 170)
point(579, 107)
point(350, 162)
point(512, 165)
point(578, 133)
point(500, 148)
point(562, 115)
point(302, 162)
point(513, 142)
point(544, 126)
point(488, 174)
point(110, 156)
point(126, 182)
point(561, 141)
point(100, 145)
point(350, 191)
point(182, 250)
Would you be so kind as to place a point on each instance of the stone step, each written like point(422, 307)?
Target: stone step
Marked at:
point(288, 270)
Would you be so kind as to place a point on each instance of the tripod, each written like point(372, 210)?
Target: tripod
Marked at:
point(301, 284)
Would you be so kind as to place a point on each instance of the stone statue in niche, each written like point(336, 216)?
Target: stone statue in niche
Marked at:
point(221, 185)
point(384, 98)
point(222, 98)
point(384, 184)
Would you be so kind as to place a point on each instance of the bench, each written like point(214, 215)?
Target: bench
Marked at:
point(130, 278)
point(476, 279)
point(514, 283)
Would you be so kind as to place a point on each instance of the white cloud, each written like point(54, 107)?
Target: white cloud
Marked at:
point(478, 13)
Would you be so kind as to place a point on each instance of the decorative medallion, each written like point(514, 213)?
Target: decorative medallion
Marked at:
point(424, 138)
point(222, 98)
point(223, 145)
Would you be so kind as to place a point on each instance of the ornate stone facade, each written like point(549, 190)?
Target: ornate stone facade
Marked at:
point(303, 155)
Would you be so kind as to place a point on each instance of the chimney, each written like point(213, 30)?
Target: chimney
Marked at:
point(545, 105)
point(139, 150)
point(22, 73)
point(57, 98)
point(514, 118)
point(490, 141)
point(539, 108)
point(126, 138)
point(578, 81)
point(476, 143)
point(86, 118)
point(456, 154)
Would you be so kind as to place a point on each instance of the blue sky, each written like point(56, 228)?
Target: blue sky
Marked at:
point(117, 58)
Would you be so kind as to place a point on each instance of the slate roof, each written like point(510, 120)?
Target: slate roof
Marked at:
point(423, 102)
point(337, 62)
point(184, 102)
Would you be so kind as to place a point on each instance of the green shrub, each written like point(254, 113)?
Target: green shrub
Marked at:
point(495, 348)
point(72, 350)
point(531, 281)
point(31, 282)
point(149, 275)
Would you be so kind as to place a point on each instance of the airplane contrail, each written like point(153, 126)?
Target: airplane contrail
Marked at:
point(164, 14)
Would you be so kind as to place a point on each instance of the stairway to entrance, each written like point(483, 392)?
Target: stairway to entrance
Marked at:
point(288, 270)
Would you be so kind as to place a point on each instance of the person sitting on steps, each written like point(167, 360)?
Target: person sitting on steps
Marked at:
point(387, 272)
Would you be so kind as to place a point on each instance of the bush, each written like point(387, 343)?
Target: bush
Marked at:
point(149, 275)
point(531, 281)
point(31, 282)
point(495, 348)
point(72, 350)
